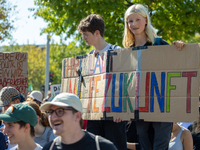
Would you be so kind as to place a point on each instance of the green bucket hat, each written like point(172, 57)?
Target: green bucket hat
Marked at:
point(20, 112)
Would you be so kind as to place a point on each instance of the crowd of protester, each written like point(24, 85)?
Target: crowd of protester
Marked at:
point(34, 123)
point(26, 125)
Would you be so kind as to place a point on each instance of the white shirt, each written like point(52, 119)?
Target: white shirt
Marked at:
point(107, 48)
point(37, 148)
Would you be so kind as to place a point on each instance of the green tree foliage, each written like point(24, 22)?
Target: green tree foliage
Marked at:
point(37, 57)
point(195, 39)
point(36, 63)
point(174, 19)
point(6, 23)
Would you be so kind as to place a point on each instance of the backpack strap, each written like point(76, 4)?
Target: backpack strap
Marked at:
point(53, 143)
point(97, 142)
point(92, 51)
point(113, 47)
point(157, 41)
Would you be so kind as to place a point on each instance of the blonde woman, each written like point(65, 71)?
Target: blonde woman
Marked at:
point(140, 32)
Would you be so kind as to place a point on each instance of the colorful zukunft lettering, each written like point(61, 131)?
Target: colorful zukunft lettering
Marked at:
point(161, 82)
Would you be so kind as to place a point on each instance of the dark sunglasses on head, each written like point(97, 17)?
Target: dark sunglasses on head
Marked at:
point(39, 103)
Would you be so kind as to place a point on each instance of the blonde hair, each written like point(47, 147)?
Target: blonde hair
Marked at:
point(129, 38)
point(196, 127)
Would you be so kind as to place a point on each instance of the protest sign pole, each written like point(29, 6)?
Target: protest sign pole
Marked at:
point(47, 67)
point(80, 80)
point(137, 87)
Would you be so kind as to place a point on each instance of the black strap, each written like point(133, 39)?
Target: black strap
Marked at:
point(157, 41)
point(113, 47)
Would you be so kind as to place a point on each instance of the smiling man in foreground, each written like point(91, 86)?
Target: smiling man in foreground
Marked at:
point(65, 117)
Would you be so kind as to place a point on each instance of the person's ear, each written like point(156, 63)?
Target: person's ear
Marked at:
point(78, 116)
point(97, 32)
point(38, 119)
point(27, 127)
point(146, 21)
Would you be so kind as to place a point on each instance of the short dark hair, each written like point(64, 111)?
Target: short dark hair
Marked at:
point(17, 98)
point(92, 23)
point(23, 124)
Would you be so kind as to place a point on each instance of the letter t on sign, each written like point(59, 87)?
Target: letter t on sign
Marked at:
point(189, 75)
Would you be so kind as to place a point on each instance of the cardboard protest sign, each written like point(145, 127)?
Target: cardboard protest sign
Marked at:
point(160, 82)
point(55, 90)
point(13, 71)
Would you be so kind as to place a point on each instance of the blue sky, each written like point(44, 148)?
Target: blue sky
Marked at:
point(27, 28)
